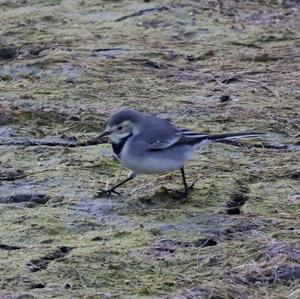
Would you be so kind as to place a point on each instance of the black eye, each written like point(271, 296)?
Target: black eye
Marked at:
point(120, 128)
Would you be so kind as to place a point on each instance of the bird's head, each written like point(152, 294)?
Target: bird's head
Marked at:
point(122, 124)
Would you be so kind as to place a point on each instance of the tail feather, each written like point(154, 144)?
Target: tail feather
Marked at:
point(191, 138)
point(230, 136)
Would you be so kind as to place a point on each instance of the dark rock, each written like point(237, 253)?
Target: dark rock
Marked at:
point(7, 53)
point(38, 286)
point(225, 98)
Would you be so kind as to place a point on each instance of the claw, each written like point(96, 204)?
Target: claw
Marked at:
point(104, 192)
point(184, 194)
point(108, 192)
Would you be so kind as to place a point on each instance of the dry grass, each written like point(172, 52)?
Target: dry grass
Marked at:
point(212, 66)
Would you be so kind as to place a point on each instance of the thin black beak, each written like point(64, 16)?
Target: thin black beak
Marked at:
point(105, 133)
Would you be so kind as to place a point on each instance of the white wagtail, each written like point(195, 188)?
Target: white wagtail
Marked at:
point(151, 145)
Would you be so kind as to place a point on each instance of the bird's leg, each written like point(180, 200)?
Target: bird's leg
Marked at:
point(104, 192)
point(186, 187)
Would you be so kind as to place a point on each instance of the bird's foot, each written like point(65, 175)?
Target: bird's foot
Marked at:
point(107, 192)
point(184, 194)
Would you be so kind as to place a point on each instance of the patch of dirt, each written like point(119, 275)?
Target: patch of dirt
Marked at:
point(237, 200)
point(9, 247)
point(165, 249)
point(10, 174)
point(241, 229)
point(43, 262)
point(25, 197)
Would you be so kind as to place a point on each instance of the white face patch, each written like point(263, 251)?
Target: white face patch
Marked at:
point(120, 131)
point(115, 137)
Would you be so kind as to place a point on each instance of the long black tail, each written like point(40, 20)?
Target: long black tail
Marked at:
point(230, 136)
point(194, 138)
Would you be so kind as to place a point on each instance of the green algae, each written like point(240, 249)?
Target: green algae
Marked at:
point(78, 62)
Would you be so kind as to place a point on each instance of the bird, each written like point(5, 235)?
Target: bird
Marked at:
point(147, 144)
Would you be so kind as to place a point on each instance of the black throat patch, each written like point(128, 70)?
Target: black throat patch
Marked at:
point(117, 147)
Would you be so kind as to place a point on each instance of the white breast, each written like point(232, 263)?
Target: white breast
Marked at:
point(154, 161)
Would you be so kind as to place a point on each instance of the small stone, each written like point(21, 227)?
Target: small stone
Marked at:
point(7, 53)
point(225, 98)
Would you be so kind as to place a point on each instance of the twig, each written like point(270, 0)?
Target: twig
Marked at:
point(109, 49)
point(142, 12)
point(28, 143)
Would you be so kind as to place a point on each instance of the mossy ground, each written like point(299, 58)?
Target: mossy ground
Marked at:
point(211, 66)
